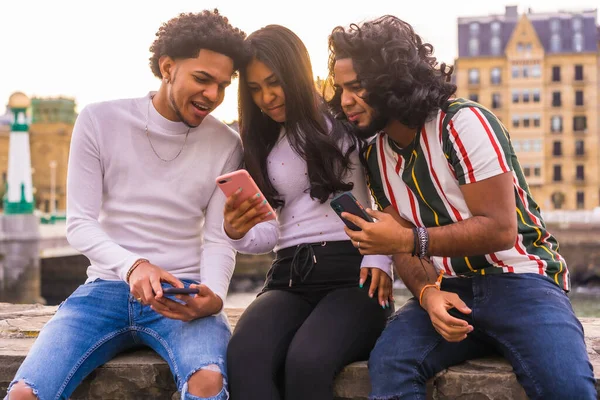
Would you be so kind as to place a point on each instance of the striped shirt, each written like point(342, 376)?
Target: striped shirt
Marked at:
point(464, 143)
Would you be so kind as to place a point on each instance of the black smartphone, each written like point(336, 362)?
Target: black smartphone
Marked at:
point(174, 290)
point(346, 202)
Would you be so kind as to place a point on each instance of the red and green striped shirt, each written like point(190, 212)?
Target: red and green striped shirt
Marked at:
point(464, 143)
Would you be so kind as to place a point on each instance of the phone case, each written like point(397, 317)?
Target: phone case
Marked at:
point(232, 181)
point(348, 203)
point(175, 290)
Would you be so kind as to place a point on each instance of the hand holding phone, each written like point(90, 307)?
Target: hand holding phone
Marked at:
point(246, 206)
point(346, 202)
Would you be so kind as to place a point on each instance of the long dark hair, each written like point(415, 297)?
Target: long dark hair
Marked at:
point(312, 132)
point(398, 71)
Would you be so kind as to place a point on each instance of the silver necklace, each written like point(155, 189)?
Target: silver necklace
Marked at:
point(150, 141)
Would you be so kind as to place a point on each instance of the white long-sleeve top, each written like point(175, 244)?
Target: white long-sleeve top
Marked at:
point(303, 219)
point(124, 203)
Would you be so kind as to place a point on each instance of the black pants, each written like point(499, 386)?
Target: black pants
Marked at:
point(292, 341)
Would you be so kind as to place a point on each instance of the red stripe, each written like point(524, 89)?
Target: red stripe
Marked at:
point(387, 181)
point(446, 266)
point(398, 164)
point(531, 257)
point(492, 139)
point(500, 263)
point(441, 128)
point(454, 210)
point(413, 207)
point(463, 152)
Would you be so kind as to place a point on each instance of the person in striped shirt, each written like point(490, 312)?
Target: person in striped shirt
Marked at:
point(455, 204)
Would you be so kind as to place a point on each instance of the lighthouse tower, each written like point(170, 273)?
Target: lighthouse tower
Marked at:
point(19, 192)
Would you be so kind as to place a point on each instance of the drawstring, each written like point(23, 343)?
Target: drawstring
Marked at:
point(302, 267)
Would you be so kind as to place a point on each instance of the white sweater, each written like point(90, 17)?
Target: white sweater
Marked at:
point(124, 203)
point(303, 219)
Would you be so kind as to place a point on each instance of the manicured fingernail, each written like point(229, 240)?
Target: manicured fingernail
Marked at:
point(361, 283)
point(371, 295)
point(239, 190)
point(257, 194)
point(269, 213)
point(387, 303)
point(264, 202)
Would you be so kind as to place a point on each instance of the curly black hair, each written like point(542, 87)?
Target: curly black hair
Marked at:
point(185, 35)
point(397, 70)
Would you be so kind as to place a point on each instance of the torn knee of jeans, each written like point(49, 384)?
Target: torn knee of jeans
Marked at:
point(28, 384)
point(214, 367)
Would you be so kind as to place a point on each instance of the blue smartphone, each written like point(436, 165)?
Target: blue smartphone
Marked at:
point(346, 202)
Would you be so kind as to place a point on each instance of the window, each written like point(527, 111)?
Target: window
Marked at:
point(554, 25)
point(474, 97)
point(515, 71)
point(525, 71)
point(528, 47)
point(473, 76)
point(557, 175)
point(495, 28)
point(474, 46)
point(519, 47)
point(537, 171)
point(579, 148)
point(516, 145)
point(536, 95)
point(579, 72)
point(515, 96)
point(537, 145)
point(577, 24)
point(525, 121)
point(536, 121)
point(580, 200)
point(525, 96)
point(496, 76)
point(515, 121)
point(555, 43)
point(496, 100)
point(579, 97)
point(556, 99)
point(579, 173)
point(495, 45)
point(580, 123)
point(556, 124)
point(526, 170)
point(557, 148)
point(536, 71)
point(526, 145)
point(578, 42)
point(474, 28)
point(556, 73)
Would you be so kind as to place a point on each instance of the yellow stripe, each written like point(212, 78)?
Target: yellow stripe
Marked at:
point(469, 264)
point(437, 222)
point(368, 152)
point(535, 243)
point(482, 271)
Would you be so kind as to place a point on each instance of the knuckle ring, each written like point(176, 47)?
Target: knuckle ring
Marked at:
point(139, 299)
point(358, 244)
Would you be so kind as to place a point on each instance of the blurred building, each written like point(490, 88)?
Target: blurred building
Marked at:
point(540, 74)
point(52, 121)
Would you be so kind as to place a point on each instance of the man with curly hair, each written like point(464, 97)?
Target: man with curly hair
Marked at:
point(455, 201)
point(144, 208)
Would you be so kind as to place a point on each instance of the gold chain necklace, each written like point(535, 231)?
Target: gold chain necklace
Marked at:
point(150, 141)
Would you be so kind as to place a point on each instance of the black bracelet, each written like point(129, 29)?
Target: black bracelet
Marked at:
point(423, 241)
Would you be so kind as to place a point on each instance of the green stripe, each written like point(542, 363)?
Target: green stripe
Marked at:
point(374, 179)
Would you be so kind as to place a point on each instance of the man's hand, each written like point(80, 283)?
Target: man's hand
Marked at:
point(386, 236)
point(380, 281)
point(144, 282)
point(237, 221)
point(437, 303)
point(203, 304)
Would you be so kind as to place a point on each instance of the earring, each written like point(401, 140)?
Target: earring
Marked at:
point(166, 80)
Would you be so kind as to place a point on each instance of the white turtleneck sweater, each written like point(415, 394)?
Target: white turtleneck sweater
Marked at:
point(303, 219)
point(124, 203)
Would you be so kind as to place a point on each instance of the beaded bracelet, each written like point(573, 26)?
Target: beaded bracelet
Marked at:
point(437, 285)
point(134, 266)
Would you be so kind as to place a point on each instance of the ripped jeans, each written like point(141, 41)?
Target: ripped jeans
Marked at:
point(101, 319)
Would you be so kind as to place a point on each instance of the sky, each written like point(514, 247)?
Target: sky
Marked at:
point(98, 51)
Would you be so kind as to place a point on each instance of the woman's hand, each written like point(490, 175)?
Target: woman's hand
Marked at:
point(239, 220)
point(380, 281)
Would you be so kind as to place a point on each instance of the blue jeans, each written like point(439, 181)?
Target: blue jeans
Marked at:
point(526, 318)
point(101, 319)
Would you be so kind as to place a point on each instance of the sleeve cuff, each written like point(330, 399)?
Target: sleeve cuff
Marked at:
point(381, 262)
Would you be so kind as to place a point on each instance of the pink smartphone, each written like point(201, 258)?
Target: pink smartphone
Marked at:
point(232, 181)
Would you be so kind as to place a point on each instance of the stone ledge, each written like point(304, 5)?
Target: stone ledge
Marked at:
point(142, 374)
